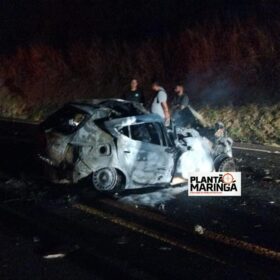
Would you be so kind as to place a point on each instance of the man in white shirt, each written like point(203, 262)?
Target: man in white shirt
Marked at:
point(159, 105)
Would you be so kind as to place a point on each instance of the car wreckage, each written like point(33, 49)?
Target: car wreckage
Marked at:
point(119, 145)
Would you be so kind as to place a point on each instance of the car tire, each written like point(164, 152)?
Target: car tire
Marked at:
point(107, 180)
point(227, 165)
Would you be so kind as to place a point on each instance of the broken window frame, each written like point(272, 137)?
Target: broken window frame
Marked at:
point(163, 138)
point(55, 121)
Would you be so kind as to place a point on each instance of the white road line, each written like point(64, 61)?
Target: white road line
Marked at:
point(256, 150)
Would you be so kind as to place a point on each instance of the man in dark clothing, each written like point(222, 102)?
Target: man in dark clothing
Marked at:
point(179, 106)
point(134, 94)
point(181, 100)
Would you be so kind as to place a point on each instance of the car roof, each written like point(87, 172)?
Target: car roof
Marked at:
point(112, 124)
point(126, 108)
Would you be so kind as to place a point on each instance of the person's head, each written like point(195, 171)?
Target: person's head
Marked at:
point(179, 88)
point(156, 86)
point(134, 84)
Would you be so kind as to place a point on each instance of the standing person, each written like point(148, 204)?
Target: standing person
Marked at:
point(134, 94)
point(179, 105)
point(159, 105)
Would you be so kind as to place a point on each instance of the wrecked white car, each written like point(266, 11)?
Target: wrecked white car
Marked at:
point(119, 145)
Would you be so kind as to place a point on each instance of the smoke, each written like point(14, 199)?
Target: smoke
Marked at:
point(198, 116)
point(197, 158)
point(210, 88)
point(153, 199)
point(218, 93)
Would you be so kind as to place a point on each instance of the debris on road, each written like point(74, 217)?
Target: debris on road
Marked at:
point(165, 248)
point(122, 240)
point(36, 239)
point(267, 178)
point(257, 226)
point(199, 229)
point(54, 256)
point(15, 183)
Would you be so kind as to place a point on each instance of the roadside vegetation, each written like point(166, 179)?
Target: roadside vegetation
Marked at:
point(232, 73)
point(251, 123)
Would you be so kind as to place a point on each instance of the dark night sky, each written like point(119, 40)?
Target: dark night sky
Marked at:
point(61, 22)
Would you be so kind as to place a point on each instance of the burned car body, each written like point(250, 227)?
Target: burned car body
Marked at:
point(118, 145)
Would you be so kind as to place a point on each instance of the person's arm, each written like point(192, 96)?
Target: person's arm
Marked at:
point(162, 97)
point(173, 106)
point(165, 110)
point(185, 102)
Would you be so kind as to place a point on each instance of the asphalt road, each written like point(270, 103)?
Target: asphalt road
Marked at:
point(54, 232)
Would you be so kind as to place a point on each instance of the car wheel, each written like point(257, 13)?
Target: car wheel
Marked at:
point(107, 180)
point(227, 165)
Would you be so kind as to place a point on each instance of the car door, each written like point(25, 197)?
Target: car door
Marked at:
point(140, 146)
